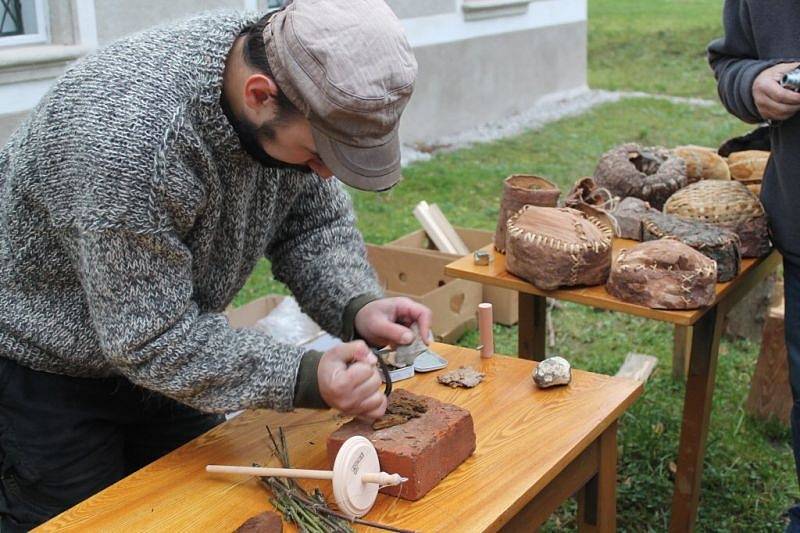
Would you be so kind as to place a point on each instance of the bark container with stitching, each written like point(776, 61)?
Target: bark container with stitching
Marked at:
point(520, 190)
point(558, 247)
point(663, 274)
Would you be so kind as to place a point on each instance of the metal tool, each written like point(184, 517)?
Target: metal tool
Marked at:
point(387, 376)
point(791, 80)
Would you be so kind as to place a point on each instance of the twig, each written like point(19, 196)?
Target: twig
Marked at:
point(304, 510)
point(317, 507)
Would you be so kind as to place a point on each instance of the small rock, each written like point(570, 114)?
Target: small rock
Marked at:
point(405, 355)
point(268, 522)
point(551, 372)
point(464, 376)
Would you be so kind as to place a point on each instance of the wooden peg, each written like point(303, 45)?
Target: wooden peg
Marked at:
point(485, 322)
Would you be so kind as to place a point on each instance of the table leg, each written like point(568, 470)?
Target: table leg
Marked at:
point(597, 501)
point(681, 351)
point(696, 414)
point(532, 329)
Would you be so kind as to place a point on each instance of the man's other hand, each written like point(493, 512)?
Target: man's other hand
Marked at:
point(773, 101)
point(387, 321)
point(349, 380)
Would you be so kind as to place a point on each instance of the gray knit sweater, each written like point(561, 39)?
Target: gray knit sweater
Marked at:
point(130, 217)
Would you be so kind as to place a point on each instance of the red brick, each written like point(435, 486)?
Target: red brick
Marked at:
point(424, 449)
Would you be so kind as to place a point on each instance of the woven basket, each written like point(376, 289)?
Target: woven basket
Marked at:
point(727, 204)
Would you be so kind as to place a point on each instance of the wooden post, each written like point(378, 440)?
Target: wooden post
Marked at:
point(770, 394)
point(532, 335)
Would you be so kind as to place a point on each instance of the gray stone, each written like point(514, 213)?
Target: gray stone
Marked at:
point(406, 354)
point(552, 371)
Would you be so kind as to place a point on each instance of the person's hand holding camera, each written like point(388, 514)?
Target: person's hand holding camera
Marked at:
point(773, 101)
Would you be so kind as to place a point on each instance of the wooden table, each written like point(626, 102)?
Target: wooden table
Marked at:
point(706, 329)
point(535, 448)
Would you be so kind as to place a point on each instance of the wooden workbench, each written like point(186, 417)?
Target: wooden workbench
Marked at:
point(706, 329)
point(535, 448)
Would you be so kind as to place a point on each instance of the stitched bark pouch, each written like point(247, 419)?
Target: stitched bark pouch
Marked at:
point(651, 174)
point(556, 247)
point(663, 274)
point(729, 205)
point(520, 190)
point(715, 243)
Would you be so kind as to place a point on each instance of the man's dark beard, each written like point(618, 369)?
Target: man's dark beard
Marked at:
point(249, 134)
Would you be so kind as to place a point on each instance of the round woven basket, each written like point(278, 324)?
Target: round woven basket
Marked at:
point(728, 204)
point(715, 202)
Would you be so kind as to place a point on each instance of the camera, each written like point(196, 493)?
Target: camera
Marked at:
point(791, 80)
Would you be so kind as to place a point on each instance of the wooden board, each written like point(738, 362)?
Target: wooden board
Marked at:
point(597, 296)
point(525, 438)
point(637, 366)
point(423, 215)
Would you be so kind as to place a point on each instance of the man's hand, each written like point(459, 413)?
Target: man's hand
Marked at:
point(773, 101)
point(349, 380)
point(387, 321)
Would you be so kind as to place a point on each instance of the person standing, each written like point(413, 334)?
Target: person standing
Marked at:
point(760, 45)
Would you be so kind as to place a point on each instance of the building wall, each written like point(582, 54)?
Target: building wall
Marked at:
point(467, 83)
point(479, 60)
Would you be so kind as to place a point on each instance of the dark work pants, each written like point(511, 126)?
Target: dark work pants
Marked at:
point(791, 275)
point(63, 439)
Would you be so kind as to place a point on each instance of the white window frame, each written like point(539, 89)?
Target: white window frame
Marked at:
point(41, 36)
point(486, 9)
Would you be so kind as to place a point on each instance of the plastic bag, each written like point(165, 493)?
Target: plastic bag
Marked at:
point(287, 323)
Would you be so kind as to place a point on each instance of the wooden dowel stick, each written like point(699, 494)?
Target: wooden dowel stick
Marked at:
point(379, 478)
point(485, 321)
point(271, 472)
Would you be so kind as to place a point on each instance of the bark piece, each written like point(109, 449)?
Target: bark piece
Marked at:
point(703, 163)
point(745, 155)
point(551, 372)
point(749, 169)
point(728, 205)
point(651, 174)
point(424, 449)
point(719, 244)
point(663, 274)
point(401, 409)
point(556, 247)
point(629, 214)
point(268, 522)
point(464, 376)
point(520, 190)
point(592, 201)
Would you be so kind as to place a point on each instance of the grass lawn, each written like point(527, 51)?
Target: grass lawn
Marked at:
point(656, 47)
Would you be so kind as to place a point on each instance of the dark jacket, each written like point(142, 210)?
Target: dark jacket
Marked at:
point(758, 35)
